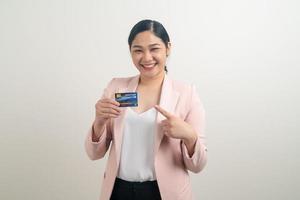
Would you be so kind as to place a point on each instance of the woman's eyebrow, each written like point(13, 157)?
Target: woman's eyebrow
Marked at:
point(139, 46)
point(136, 46)
point(154, 44)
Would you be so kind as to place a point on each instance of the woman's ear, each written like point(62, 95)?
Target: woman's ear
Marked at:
point(168, 49)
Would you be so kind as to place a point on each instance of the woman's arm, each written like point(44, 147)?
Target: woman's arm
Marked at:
point(195, 155)
point(97, 149)
point(99, 136)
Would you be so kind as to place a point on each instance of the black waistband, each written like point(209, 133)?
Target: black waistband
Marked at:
point(128, 184)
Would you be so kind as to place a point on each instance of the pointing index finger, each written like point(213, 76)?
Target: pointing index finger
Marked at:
point(163, 111)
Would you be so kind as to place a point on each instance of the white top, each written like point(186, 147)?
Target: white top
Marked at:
point(137, 152)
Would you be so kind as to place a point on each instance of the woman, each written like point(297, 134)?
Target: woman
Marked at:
point(154, 144)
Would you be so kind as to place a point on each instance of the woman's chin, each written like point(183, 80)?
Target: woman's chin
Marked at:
point(151, 74)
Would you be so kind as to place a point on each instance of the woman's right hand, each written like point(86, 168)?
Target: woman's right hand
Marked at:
point(106, 109)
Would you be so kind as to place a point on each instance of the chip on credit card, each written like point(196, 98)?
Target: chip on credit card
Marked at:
point(127, 99)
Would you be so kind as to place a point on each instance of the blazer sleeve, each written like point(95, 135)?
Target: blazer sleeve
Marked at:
point(196, 118)
point(97, 150)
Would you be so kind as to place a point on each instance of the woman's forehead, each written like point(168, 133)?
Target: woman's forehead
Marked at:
point(146, 38)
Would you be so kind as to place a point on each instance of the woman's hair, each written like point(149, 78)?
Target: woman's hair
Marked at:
point(149, 25)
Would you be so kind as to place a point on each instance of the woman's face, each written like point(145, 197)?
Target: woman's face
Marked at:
point(149, 54)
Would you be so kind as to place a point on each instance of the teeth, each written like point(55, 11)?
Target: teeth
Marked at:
point(149, 66)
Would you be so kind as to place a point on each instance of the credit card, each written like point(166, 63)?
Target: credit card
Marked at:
point(127, 99)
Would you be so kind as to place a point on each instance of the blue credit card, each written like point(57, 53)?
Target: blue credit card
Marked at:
point(127, 99)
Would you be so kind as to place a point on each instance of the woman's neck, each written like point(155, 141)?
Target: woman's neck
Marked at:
point(153, 82)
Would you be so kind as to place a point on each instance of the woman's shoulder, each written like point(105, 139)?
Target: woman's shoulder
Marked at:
point(123, 79)
point(181, 85)
point(120, 81)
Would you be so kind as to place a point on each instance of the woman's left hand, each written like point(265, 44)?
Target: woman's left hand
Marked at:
point(175, 127)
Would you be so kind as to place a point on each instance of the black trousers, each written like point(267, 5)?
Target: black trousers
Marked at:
point(125, 190)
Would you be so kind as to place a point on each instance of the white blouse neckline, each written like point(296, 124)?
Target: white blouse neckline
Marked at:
point(142, 113)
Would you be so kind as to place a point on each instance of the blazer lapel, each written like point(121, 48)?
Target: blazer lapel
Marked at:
point(168, 101)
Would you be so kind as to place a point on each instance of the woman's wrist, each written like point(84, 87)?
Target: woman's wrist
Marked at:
point(191, 139)
point(190, 142)
point(97, 130)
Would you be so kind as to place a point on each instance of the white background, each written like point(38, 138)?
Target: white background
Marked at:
point(56, 56)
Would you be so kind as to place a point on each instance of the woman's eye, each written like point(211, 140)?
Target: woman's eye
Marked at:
point(154, 49)
point(137, 51)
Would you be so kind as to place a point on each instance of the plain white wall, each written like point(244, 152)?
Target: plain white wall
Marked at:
point(57, 56)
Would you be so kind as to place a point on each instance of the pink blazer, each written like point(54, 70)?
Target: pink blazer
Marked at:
point(172, 161)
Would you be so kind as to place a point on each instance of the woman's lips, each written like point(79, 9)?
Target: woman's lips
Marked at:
point(148, 66)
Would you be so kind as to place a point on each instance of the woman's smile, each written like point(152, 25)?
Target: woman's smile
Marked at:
point(149, 66)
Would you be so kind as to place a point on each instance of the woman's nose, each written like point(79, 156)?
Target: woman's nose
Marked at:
point(147, 56)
